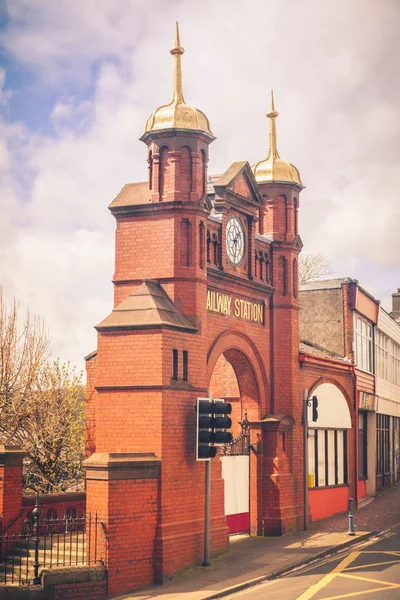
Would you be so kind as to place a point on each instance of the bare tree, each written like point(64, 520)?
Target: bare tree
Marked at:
point(53, 431)
point(42, 404)
point(23, 352)
point(313, 267)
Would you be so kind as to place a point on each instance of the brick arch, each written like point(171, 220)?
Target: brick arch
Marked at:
point(243, 355)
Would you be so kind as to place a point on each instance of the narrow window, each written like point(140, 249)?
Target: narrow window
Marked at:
point(186, 243)
point(295, 276)
point(204, 173)
point(150, 169)
point(215, 244)
point(185, 372)
point(186, 172)
point(208, 247)
point(282, 274)
point(201, 245)
point(175, 360)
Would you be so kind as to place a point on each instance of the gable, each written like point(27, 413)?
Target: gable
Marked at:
point(238, 182)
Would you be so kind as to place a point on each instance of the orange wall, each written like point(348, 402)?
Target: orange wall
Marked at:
point(328, 501)
point(361, 489)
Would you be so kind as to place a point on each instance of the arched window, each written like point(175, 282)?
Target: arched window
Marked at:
point(296, 216)
point(327, 442)
point(71, 513)
point(51, 515)
point(208, 247)
point(186, 172)
point(282, 275)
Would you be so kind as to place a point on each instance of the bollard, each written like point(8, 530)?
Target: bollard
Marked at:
point(351, 518)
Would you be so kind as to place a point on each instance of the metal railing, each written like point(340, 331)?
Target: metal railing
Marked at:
point(50, 543)
point(241, 444)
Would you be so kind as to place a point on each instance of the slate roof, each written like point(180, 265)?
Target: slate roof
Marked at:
point(313, 350)
point(132, 194)
point(147, 306)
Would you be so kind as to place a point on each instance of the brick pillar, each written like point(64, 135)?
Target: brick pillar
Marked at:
point(197, 177)
point(175, 160)
point(279, 510)
point(10, 483)
point(122, 488)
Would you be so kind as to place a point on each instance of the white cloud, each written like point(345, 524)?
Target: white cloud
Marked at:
point(337, 92)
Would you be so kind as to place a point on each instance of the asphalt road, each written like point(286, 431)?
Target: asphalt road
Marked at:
point(368, 571)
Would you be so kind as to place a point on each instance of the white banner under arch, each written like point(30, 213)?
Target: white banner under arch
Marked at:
point(333, 411)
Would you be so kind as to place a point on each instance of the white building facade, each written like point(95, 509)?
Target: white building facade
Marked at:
point(387, 391)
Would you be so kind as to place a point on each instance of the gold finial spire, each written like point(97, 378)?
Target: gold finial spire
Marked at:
point(272, 114)
point(177, 51)
point(273, 168)
point(177, 114)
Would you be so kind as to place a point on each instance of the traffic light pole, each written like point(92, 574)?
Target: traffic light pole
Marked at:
point(207, 481)
point(305, 456)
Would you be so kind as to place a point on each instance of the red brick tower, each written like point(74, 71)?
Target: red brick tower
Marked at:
point(279, 183)
point(142, 477)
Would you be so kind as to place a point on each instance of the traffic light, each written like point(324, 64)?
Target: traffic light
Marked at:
point(314, 401)
point(211, 425)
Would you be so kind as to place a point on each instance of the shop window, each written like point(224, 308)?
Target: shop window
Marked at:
point(363, 344)
point(382, 448)
point(327, 457)
point(362, 445)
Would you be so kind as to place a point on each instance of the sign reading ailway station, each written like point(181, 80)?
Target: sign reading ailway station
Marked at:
point(236, 307)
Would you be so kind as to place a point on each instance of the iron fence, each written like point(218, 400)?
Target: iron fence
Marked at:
point(49, 543)
point(241, 444)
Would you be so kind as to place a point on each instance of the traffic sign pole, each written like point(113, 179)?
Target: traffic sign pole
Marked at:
point(206, 561)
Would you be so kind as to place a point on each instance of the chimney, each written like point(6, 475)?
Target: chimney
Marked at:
point(396, 305)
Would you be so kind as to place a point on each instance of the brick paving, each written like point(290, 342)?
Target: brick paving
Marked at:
point(378, 515)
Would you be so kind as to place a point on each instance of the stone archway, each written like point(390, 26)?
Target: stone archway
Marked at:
point(236, 373)
point(243, 358)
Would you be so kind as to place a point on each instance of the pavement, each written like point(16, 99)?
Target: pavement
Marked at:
point(250, 560)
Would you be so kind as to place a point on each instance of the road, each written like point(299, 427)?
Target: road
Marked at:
point(368, 571)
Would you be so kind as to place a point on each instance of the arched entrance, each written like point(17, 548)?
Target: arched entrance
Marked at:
point(233, 378)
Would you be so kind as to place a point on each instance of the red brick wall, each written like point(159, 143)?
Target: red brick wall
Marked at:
point(10, 494)
point(60, 503)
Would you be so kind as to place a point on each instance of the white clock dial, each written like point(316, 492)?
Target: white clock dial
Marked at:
point(235, 240)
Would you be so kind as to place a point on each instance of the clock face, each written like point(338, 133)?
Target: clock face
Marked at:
point(235, 240)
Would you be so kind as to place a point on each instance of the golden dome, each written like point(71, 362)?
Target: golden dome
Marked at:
point(273, 168)
point(177, 114)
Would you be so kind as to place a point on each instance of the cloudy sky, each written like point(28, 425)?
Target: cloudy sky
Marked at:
point(79, 78)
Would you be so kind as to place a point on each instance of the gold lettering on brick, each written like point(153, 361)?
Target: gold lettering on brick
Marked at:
point(230, 306)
